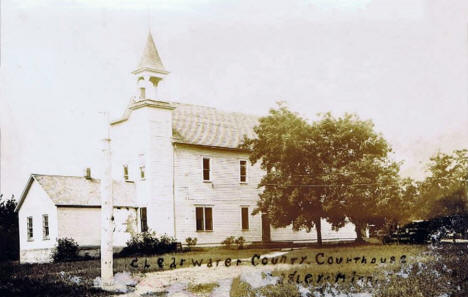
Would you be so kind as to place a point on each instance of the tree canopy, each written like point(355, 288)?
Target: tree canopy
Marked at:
point(334, 168)
point(444, 191)
point(9, 236)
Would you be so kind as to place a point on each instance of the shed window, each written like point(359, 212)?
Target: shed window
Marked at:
point(45, 226)
point(245, 218)
point(206, 169)
point(30, 228)
point(204, 218)
point(143, 220)
point(243, 171)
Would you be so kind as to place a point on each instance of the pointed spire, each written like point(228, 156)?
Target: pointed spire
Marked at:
point(150, 60)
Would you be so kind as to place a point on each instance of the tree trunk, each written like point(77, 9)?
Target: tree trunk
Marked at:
point(318, 227)
point(358, 228)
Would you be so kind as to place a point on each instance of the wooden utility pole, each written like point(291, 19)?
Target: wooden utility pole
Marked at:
point(107, 228)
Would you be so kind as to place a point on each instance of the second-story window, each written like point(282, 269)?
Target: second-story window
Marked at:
point(206, 169)
point(125, 172)
point(243, 171)
point(142, 172)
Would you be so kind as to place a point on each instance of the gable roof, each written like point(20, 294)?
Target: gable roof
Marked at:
point(79, 191)
point(202, 125)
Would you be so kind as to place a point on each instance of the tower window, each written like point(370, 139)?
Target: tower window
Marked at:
point(142, 93)
point(143, 220)
point(125, 172)
point(142, 172)
point(243, 171)
point(206, 169)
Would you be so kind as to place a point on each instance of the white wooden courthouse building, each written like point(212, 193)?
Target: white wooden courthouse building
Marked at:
point(177, 170)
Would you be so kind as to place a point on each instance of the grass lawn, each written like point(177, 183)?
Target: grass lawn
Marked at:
point(422, 268)
point(425, 271)
point(76, 278)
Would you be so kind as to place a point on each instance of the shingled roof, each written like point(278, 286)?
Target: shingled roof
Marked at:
point(202, 125)
point(207, 126)
point(79, 191)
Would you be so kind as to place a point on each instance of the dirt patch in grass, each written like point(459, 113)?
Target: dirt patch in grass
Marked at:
point(202, 289)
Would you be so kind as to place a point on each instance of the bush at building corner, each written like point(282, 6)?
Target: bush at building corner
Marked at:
point(66, 250)
point(147, 243)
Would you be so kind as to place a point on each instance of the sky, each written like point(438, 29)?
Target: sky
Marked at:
point(401, 63)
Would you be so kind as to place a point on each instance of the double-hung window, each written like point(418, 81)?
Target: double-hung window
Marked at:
point(125, 172)
point(204, 218)
point(29, 221)
point(206, 169)
point(45, 227)
point(243, 171)
point(142, 172)
point(143, 220)
point(245, 218)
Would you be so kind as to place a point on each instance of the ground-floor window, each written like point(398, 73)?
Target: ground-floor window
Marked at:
point(143, 220)
point(204, 218)
point(30, 228)
point(245, 218)
point(45, 226)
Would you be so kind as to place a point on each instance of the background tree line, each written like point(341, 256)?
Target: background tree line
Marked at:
point(339, 169)
point(9, 234)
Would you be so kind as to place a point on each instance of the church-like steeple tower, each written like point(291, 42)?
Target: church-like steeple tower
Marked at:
point(150, 71)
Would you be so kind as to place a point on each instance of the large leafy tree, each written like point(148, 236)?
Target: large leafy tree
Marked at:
point(359, 181)
point(444, 191)
point(282, 146)
point(335, 168)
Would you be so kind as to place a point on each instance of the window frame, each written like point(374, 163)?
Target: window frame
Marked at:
point(125, 172)
point(142, 172)
point(29, 228)
point(242, 218)
point(45, 227)
point(205, 220)
point(209, 170)
point(240, 172)
point(143, 222)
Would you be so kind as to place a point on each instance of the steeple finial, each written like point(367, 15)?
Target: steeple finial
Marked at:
point(150, 61)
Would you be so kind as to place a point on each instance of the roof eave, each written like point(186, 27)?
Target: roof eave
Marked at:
point(150, 69)
point(25, 192)
point(211, 146)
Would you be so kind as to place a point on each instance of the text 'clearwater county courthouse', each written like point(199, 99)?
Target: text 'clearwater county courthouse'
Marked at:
point(177, 169)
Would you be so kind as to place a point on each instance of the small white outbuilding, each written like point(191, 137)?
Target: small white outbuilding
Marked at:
point(54, 206)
